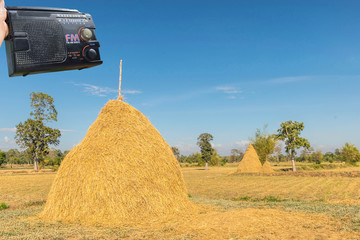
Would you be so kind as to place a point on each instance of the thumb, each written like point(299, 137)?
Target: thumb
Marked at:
point(2, 11)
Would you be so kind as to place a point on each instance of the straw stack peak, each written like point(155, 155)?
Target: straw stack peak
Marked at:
point(250, 148)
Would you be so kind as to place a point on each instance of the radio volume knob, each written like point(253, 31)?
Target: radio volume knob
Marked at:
point(91, 54)
point(86, 34)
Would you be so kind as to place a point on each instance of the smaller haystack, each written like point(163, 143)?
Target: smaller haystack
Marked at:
point(266, 168)
point(250, 163)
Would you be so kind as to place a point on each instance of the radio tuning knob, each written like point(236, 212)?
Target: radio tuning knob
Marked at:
point(91, 54)
point(86, 34)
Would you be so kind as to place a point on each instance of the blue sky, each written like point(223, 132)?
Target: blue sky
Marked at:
point(222, 67)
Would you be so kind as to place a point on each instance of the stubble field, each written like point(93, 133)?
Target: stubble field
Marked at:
point(231, 206)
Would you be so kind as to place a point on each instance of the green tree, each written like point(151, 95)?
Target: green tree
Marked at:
point(197, 158)
point(205, 147)
point(329, 157)
point(236, 155)
point(176, 152)
point(317, 157)
point(33, 135)
point(305, 155)
point(54, 157)
point(290, 133)
point(193, 158)
point(215, 159)
point(12, 157)
point(350, 154)
point(338, 157)
point(2, 157)
point(264, 144)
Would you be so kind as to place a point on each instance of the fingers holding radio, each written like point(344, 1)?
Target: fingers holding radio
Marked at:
point(3, 26)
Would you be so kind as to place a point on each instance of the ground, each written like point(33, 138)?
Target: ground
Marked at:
point(230, 206)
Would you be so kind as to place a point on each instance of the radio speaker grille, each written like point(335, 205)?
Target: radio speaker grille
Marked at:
point(46, 40)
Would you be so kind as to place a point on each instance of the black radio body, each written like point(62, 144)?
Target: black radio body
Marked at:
point(49, 40)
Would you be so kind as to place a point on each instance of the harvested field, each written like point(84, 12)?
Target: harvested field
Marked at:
point(21, 190)
point(212, 224)
point(325, 173)
point(288, 186)
point(254, 215)
point(24, 171)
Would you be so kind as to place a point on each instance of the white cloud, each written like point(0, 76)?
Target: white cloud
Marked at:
point(324, 148)
point(7, 129)
point(216, 145)
point(187, 148)
point(9, 143)
point(243, 144)
point(131, 91)
point(285, 80)
point(228, 90)
point(96, 90)
point(232, 92)
point(14, 130)
point(102, 91)
point(65, 130)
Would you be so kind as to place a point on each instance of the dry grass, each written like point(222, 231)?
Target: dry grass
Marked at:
point(324, 166)
point(22, 190)
point(220, 219)
point(211, 224)
point(220, 183)
point(9, 171)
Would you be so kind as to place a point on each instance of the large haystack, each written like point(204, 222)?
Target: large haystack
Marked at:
point(123, 170)
point(266, 167)
point(250, 163)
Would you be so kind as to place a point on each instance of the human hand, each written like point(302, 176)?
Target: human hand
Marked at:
point(3, 26)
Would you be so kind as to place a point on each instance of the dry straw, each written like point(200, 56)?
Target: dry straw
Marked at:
point(266, 167)
point(122, 171)
point(250, 163)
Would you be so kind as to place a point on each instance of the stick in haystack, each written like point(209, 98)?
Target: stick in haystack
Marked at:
point(120, 97)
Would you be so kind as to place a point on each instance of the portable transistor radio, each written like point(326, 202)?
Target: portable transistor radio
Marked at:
point(49, 40)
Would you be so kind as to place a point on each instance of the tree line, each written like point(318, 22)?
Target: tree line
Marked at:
point(268, 148)
point(346, 154)
point(15, 157)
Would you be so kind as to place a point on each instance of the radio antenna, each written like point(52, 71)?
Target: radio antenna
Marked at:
point(120, 97)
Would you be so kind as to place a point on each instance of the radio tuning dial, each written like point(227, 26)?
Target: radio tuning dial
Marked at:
point(91, 54)
point(86, 34)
